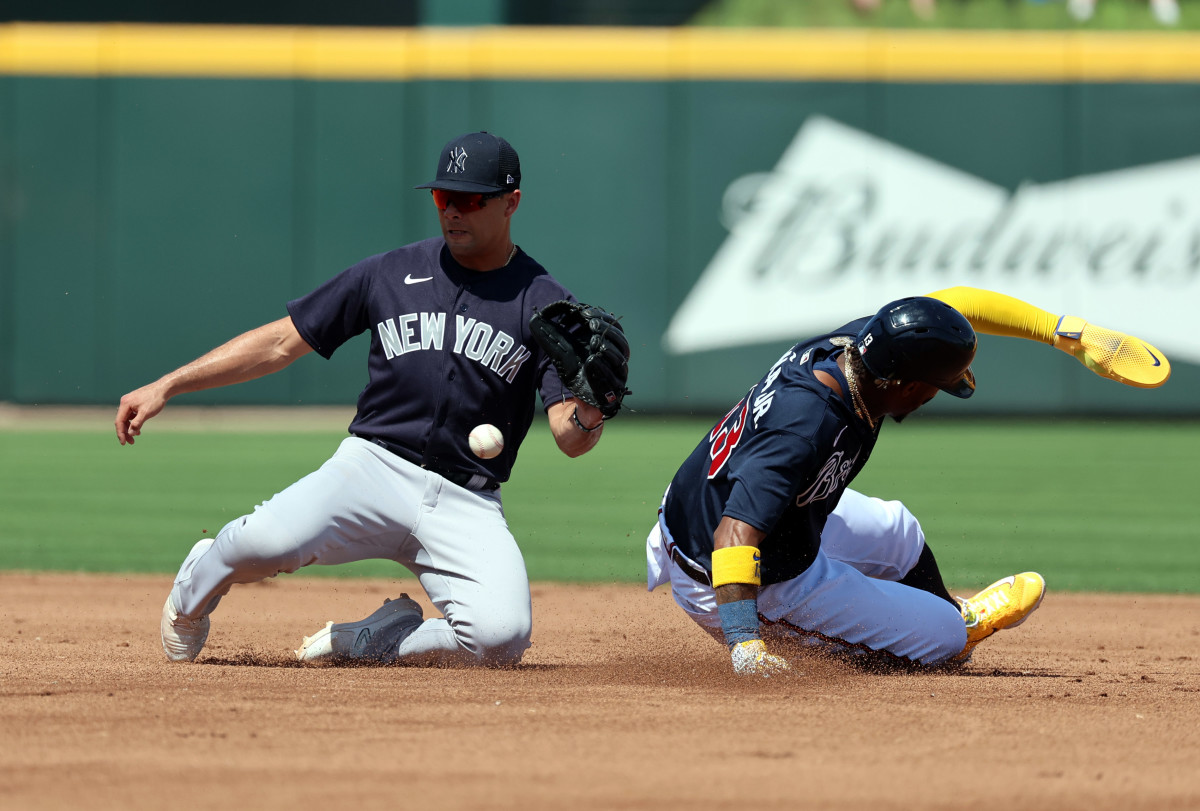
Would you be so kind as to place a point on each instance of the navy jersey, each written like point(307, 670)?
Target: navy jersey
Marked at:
point(779, 461)
point(450, 349)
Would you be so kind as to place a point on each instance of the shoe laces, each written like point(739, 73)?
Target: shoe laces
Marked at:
point(970, 616)
point(987, 605)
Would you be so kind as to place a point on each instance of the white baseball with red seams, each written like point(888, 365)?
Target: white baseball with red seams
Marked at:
point(486, 441)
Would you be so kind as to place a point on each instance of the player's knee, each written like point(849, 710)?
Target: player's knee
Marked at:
point(506, 652)
point(947, 637)
point(495, 641)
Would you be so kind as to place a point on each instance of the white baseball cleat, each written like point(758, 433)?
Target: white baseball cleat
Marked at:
point(374, 639)
point(182, 638)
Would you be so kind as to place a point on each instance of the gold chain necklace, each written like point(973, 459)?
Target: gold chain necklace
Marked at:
point(510, 256)
point(860, 407)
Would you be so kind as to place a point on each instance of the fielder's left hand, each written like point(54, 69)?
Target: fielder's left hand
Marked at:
point(589, 349)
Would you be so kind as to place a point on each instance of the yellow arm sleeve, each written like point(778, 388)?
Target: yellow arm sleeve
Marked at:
point(998, 314)
point(1106, 352)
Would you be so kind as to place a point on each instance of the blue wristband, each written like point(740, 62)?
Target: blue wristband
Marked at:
point(739, 621)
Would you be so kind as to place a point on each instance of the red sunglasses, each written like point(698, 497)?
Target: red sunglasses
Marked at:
point(465, 202)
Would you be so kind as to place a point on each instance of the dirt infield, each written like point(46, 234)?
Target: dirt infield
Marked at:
point(621, 703)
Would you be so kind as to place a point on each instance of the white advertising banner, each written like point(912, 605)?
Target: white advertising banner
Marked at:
point(847, 222)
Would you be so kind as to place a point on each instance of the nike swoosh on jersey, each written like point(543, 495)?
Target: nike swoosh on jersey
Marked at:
point(408, 279)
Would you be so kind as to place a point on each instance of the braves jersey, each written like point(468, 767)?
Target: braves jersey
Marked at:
point(779, 461)
point(450, 349)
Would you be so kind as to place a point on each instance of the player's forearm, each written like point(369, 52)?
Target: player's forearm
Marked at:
point(576, 426)
point(736, 582)
point(733, 592)
point(736, 576)
point(733, 532)
point(249, 356)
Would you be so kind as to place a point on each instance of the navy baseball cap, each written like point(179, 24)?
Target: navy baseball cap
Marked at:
point(477, 162)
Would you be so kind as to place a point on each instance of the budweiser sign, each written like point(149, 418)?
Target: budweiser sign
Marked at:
point(847, 222)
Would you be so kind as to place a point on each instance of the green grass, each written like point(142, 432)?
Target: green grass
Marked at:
point(1052, 15)
point(1092, 505)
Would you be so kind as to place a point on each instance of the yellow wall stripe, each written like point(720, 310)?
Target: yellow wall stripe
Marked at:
point(593, 53)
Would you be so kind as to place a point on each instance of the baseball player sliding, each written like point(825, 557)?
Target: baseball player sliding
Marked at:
point(760, 537)
point(464, 330)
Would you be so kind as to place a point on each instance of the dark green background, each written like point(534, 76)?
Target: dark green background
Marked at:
point(143, 220)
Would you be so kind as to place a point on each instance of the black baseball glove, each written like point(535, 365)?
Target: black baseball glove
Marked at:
point(589, 349)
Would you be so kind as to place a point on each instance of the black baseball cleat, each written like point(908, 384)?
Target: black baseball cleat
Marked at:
point(373, 639)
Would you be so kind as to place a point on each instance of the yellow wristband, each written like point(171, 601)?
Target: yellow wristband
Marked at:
point(736, 564)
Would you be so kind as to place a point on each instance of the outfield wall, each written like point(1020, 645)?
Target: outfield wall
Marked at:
point(162, 189)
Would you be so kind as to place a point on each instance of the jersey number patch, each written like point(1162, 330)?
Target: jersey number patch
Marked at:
point(726, 435)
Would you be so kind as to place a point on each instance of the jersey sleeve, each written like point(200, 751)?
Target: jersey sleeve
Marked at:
point(336, 311)
point(762, 475)
point(551, 389)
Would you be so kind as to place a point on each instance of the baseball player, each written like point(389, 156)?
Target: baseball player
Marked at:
point(759, 535)
point(451, 348)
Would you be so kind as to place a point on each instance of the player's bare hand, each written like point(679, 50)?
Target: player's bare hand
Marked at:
point(135, 408)
point(750, 658)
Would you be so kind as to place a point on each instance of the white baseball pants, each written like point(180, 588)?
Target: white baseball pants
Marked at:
point(364, 503)
point(847, 600)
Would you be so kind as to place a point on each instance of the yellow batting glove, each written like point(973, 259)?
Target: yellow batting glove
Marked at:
point(1112, 354)
point(750, 658)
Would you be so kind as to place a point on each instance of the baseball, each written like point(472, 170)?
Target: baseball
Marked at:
point(486, 441)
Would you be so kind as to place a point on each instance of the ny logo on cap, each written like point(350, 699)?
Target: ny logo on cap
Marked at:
point(458, 161)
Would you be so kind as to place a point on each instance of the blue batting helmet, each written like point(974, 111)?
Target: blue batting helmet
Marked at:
point(923, 340)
